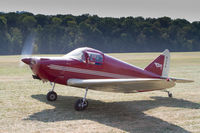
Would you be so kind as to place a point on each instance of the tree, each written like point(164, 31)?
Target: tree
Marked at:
point(56, 21)
point(16, 40)
point(29, 21)
point(63, 33)
point(3, 23)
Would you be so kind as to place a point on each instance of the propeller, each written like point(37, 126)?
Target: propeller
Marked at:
point(27, 50)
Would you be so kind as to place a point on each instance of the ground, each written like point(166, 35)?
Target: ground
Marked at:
point(24, 108)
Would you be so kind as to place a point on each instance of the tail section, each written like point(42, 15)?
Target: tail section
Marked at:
point(160, 65)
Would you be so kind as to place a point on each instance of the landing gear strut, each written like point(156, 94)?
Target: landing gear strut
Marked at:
point(169, 93)
point(81, 104)
point(51, 95)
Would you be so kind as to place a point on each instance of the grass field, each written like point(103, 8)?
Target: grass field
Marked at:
point(24, 108)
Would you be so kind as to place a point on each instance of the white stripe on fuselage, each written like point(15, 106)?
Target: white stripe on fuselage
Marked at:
point(86, 71)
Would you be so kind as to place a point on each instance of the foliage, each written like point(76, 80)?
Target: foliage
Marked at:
point(62, 33)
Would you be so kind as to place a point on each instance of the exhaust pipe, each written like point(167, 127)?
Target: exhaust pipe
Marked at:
point(36, 77)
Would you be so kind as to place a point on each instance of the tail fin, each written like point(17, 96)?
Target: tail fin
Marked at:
point(160, 65)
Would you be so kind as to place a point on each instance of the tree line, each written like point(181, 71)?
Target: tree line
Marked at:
point(59, 34)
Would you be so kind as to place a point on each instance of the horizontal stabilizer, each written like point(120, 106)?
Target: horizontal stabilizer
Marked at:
point(181, 80)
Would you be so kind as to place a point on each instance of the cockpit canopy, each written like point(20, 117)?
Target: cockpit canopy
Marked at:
point(86, 55)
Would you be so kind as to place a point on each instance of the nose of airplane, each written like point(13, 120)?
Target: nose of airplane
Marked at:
point(27, 60)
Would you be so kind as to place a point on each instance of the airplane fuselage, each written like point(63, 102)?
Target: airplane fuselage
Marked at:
point(60, 69)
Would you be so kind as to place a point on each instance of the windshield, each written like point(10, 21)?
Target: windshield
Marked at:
point(75, 54)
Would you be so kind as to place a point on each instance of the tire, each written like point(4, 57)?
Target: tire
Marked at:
point(51, 96)
point(170, 95)
point(79, 105)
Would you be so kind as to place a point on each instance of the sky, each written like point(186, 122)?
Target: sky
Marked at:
point(186, 9)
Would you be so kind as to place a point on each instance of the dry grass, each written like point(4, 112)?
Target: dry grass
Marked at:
point(24, 108)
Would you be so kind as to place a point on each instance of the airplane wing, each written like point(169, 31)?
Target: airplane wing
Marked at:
point(122, 85)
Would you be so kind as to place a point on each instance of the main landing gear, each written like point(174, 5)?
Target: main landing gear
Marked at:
point(169, 94)
point(81, 104)
point(51, 95)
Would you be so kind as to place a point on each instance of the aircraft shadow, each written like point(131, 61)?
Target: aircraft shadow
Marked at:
point(127, 115)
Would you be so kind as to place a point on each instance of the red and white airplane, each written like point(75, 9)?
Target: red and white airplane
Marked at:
point(91, 69)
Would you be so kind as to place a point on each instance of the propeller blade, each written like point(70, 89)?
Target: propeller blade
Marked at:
point(27, 50)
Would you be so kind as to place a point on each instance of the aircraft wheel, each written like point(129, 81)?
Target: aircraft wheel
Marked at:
point(51, 96)
point(80, 105)
point(170, 95)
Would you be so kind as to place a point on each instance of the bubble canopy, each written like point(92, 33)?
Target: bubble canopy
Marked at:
point(83, 54)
